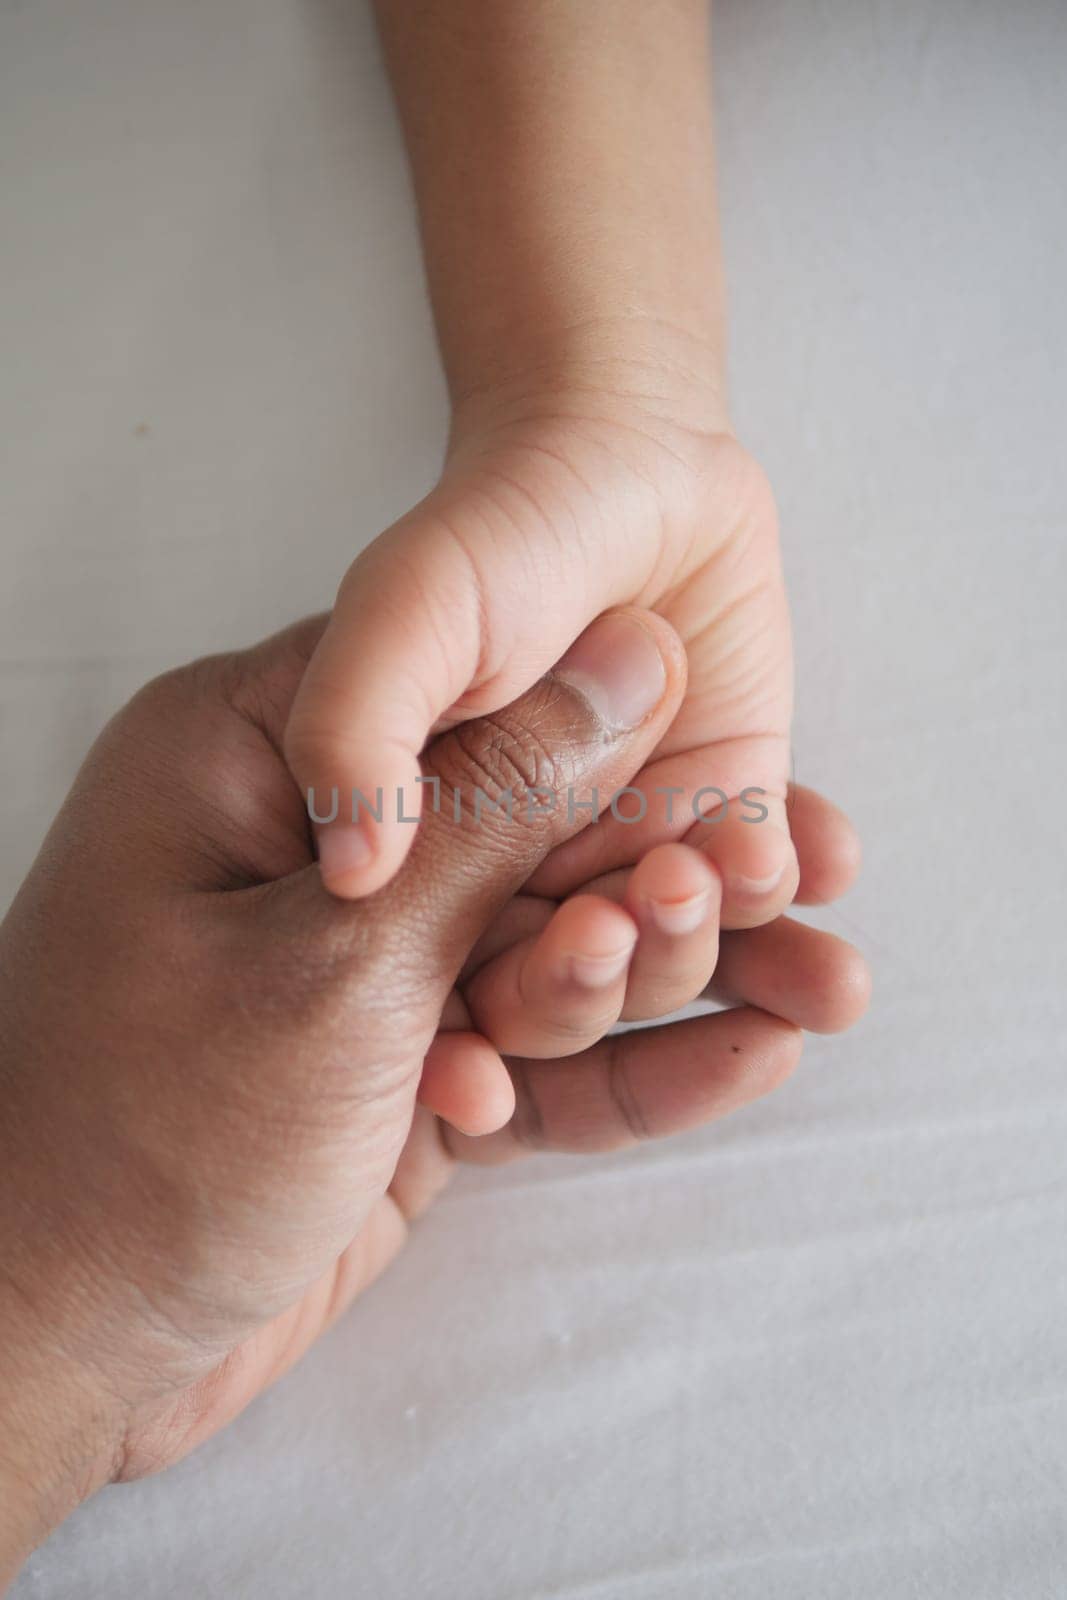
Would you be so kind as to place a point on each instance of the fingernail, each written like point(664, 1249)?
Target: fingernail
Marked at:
point(597, 972)
point(680, 916)
point(344, 849)
point(617, 666)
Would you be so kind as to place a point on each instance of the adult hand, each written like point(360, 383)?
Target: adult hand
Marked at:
point(210, 1139)
point(210, 1065)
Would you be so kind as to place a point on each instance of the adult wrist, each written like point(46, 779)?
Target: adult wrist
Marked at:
point(59, 1437)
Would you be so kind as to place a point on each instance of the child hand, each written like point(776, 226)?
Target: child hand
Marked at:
point(548, 982)
point(553, 508)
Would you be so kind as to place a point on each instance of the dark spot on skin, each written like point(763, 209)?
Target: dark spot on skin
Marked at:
point(736, 1048)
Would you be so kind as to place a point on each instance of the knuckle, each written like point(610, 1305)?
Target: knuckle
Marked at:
point(661, 993)
point(319, 732)
point(527, 1125)
point(310, 749)
point(154, 725)
point(844, 992)
point(570, 1034)
point(499, 757)
point(301, 748)
point(630, 1117)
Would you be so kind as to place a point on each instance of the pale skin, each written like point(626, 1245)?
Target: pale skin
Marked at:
point(227, 1093)
point(187, 1205)
point(563, 166)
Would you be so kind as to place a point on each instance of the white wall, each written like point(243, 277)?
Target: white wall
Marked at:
point(817, 1351)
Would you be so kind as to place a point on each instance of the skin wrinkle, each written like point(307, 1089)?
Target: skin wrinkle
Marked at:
point(620, 1088)
point(443, 630)
point(547, 375)
point(483, 613)
point(527, 1125)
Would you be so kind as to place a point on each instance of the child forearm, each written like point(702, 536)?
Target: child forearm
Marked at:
point(563, 165)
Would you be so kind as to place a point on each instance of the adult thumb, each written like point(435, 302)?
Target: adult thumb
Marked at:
point(503, 790)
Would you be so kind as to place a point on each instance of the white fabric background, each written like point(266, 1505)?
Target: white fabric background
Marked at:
point(818, 1351)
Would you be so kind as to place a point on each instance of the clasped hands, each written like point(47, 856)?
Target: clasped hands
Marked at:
point(227, 1093)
